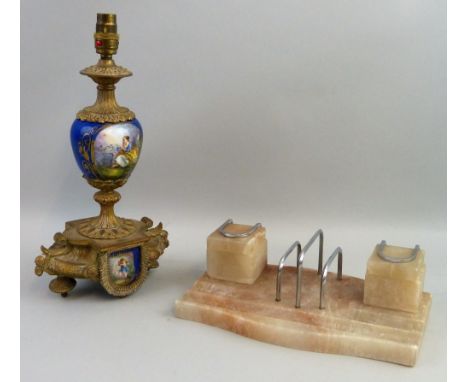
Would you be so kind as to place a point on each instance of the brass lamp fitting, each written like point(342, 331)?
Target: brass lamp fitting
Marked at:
point(106, 74)
point(106, 38)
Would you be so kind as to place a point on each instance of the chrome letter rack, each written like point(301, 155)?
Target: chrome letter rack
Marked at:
point(299, 265)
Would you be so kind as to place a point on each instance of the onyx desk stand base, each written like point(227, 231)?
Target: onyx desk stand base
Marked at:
point(346, 326)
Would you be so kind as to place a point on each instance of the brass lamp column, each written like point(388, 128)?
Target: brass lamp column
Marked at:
point(106, 139)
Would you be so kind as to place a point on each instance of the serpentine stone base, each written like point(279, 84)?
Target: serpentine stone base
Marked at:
point(345, 326)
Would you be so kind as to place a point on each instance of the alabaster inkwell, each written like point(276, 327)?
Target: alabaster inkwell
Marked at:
point(106, 139)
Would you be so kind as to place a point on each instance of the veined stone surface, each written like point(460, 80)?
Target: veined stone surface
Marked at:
point(236, 259)
point(346, 326)
point(395, 285)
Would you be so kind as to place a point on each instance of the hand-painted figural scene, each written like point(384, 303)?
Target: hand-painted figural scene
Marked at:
point(106, 151)
point(124, 266)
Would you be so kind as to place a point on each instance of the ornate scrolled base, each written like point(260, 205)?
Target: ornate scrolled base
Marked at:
point(119, 265)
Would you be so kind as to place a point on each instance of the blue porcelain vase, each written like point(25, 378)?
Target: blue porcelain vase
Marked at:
point(106, 151)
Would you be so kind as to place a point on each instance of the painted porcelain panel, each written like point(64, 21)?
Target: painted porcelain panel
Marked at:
point(106, 151)
point(125, 265)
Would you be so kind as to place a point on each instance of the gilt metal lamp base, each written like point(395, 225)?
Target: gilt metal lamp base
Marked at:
point(119, 265)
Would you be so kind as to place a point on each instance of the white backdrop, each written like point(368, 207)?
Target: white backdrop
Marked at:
point(299, 114)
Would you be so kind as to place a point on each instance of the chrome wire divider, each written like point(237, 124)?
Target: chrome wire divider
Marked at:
point(317, 234)
point(299, 265)
point(323, 277)
point(397, 260)
point(300, 261)
point(237, 235)
point(279, 273)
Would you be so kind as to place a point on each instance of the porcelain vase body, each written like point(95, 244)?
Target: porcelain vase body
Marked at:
point(106, 151)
